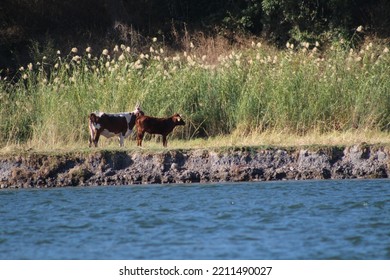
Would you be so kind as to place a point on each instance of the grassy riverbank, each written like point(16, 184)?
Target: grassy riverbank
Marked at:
point(266, 139)
point(154, 165)
point(253, 95)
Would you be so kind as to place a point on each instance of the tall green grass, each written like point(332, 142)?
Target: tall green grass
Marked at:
point(296, 90)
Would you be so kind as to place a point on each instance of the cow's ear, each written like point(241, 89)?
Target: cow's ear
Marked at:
point(92, 117)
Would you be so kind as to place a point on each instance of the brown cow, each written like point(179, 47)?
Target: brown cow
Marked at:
point(162, 126)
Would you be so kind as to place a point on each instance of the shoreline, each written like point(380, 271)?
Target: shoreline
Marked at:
point(119, 167)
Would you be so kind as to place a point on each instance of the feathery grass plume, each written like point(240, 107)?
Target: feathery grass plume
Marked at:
point(245, 91)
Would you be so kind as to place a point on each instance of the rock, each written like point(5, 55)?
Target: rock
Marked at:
point(193, 166)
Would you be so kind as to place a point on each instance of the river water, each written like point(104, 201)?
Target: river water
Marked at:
point(329, 219)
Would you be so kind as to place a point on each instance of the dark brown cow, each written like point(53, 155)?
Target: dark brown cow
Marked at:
point(162, 126)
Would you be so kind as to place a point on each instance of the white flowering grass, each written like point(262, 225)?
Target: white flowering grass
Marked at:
point(301, 90)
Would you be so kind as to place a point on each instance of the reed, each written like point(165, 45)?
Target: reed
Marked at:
point(298, 90)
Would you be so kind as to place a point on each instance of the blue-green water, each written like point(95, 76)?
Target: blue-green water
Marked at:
point(279, 220)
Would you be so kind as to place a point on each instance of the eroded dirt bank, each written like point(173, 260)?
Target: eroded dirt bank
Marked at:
point(189, 166)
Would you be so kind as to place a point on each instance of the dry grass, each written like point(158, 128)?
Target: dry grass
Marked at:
point(265, 139)
point(283, 139)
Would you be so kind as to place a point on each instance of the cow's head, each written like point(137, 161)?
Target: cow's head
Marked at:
point(137, 107)
point(94, 118)
point(97, 120)
point(137, 110)
point(178, 120)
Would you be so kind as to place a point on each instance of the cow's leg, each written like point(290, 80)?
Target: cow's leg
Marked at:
point(92, 139)
point(140, 136)
point(91, 133)
point(96, 138)
point(121, 140)
point(165, 141)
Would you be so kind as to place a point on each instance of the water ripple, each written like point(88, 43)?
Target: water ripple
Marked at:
point(278, 220)
point(73, 227)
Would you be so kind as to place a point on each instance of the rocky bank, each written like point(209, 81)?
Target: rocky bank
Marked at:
point(101, 167)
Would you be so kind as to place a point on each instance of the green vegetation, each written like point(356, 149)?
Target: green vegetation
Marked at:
point(329, 85)
point(278, 20)
point(255, 89)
